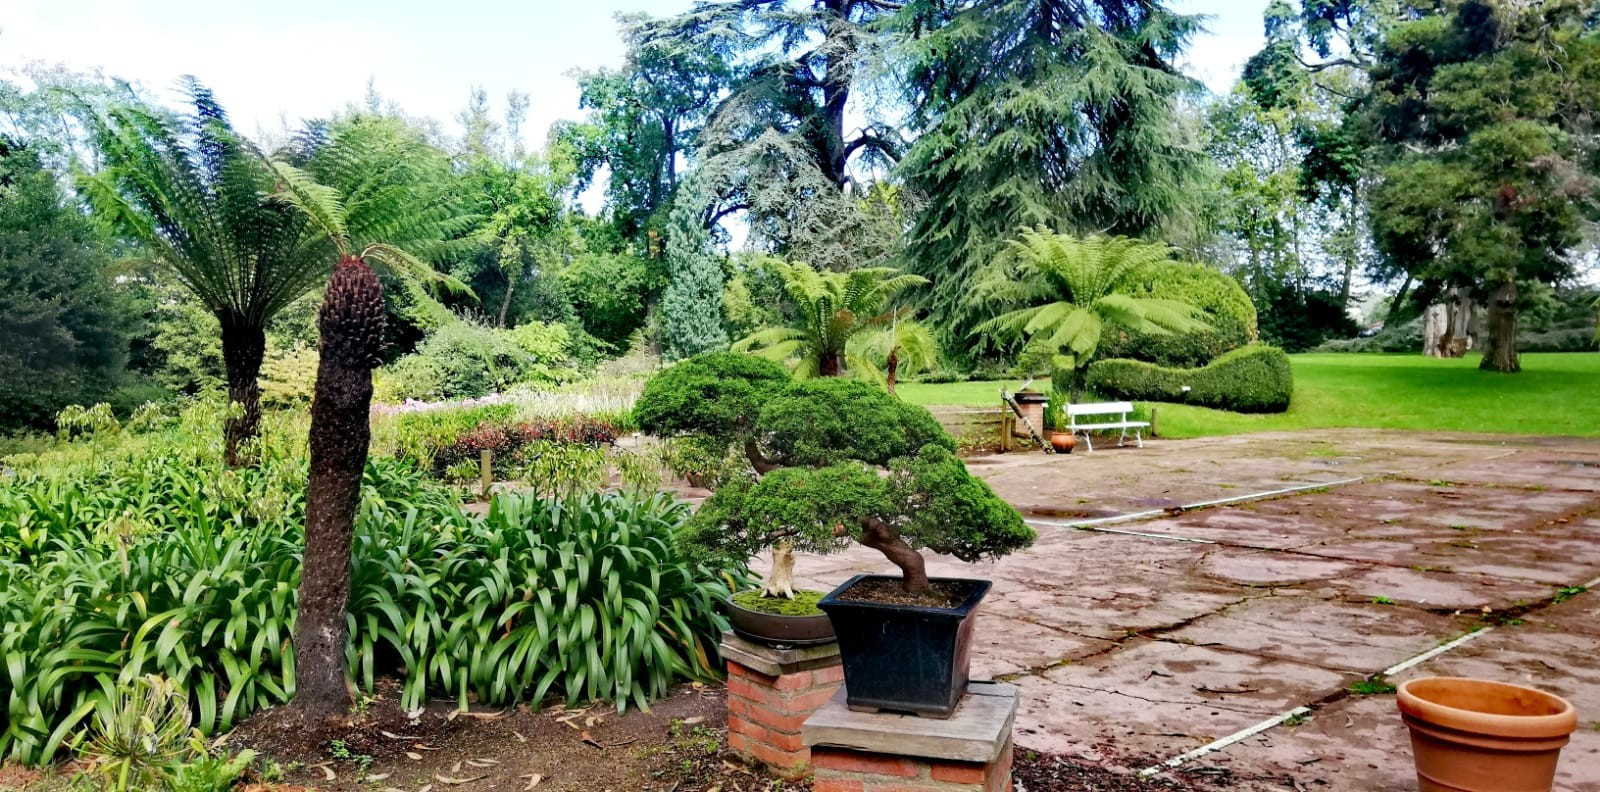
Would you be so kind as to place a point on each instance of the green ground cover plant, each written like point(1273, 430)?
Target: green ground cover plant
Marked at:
point(188, 570)
point(1376, 392)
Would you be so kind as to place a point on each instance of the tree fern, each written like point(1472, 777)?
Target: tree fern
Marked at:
point(843, 321)
point(1056, 293)
point(246, 236)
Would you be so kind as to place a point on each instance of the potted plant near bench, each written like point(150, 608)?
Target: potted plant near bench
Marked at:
point(834, 462)
point(1062, 440)
point(709, 405)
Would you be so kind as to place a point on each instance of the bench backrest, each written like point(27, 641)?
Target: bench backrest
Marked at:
point(1100, 408)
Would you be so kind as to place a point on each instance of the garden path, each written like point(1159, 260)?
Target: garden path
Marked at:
point(1144, 639)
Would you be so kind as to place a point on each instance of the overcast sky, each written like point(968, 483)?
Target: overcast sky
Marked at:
point(271, 63)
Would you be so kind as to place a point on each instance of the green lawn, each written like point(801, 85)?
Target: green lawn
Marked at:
point(1556, 394)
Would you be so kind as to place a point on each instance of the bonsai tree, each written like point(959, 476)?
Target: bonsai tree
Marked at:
point(713, 398)
point(836, 461)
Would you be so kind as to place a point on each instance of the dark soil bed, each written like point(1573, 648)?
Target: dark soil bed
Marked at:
point(678, 746)
point(941, 594)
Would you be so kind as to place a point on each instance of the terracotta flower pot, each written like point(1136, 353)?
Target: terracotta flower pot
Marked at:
point(1063, 442)
point(1470, 735)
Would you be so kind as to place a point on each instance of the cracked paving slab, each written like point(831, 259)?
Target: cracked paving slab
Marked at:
point(1130, 650)
point(1353, 638)
point(1157, 698)
point(1359, 743)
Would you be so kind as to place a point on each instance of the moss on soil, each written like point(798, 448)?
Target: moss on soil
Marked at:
point(803, 604)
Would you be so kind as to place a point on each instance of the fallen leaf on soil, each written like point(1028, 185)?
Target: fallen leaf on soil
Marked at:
point(393, 736)
point(421, 747)
point(591, 721)
point(694, 720)
point(455, 768)
point(533, 780)
point(485, 715)
point(589, 740)
point(520, 738)
point(379, 776)
point(413, 756)
point(328, 774)
point(483, 762)
point(458, 781)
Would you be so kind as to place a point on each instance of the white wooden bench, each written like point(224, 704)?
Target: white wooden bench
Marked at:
point(1102, 411)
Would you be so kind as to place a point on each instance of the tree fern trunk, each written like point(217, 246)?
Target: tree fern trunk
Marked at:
point(352, 326)
point(244, 344)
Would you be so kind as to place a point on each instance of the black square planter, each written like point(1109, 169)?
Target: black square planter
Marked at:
point(904, 658)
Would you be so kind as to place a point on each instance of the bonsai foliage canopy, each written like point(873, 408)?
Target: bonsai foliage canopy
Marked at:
point(834, 461)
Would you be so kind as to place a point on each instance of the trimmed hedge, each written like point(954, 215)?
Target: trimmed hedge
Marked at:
point(1255, 379)
point(1224, 305)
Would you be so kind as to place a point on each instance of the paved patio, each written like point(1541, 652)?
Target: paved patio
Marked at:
point(1147, 638)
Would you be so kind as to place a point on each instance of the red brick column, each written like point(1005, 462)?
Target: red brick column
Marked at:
point(884, 752)
point(771, 692)
point(841, 770)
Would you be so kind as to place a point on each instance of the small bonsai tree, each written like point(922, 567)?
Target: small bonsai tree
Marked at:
point(836, 461)
point(713, 397)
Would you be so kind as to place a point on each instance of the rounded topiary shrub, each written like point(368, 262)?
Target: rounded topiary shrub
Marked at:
point(822, 421)
point(716, 394)
point(1224, 305)
point(1255, 379)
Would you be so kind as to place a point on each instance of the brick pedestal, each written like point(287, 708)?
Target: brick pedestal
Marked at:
point(771, 692)
point(880, 752)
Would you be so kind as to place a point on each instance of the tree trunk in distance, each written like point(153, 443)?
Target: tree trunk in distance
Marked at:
point(1448, 324)
point(1398, 302)
point(352, 328)
point(244, 344)
point(877, 535)
point(1434, 324)
point(1500, 348)
point(892, 368)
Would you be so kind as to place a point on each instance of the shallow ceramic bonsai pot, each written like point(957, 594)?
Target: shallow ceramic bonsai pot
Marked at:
point(774, 629)
point(1472, 735)
point(904, 658)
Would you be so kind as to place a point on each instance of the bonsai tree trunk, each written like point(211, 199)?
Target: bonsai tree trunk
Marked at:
point(780, 581)
point(352, 326)
point(1500, 353)
point(244, 344)
point(878, 535)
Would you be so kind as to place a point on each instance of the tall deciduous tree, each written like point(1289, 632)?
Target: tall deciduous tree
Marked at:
point(1042, 112)
point(1482, 116)
point(644, 120)
point(783, 145)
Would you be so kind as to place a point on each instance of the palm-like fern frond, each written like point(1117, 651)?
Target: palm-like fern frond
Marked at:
point(196, 195)
point(829, 310)
point(1057, 293)
point(910, 342)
